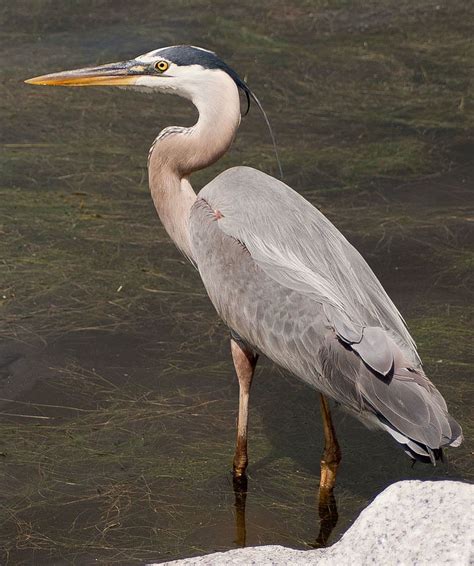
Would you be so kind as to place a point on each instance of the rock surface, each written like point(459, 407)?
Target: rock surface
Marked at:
point(409, 523)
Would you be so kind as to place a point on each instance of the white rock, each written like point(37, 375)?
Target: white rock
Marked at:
point(409, 523)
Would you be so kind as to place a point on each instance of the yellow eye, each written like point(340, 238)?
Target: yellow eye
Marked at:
point(161, 66)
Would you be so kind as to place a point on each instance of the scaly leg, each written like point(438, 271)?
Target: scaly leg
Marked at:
point(245, 361)
point(332, 452)
point(329, 464)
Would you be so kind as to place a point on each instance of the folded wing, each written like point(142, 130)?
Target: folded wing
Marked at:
point(298, 247)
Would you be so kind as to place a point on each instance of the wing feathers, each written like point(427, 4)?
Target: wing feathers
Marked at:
point(347, 330)
point(298, 247)
point(376, 351)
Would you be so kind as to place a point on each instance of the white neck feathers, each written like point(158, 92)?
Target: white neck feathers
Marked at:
point(178, 152)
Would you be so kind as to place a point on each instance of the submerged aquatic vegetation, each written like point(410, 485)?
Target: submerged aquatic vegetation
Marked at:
point(127, 474)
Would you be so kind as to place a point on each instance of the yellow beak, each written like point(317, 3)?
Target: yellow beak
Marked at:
point(124, 73)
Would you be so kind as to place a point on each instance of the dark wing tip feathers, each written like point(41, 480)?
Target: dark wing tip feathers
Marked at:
point(404, 401)
point(431, 457)
point(417, 451)
point(424, 450)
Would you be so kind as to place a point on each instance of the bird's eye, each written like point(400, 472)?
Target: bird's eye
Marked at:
point(161, 66)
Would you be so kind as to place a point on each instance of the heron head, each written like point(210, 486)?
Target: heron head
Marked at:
point(184, 70)
point(191, 72)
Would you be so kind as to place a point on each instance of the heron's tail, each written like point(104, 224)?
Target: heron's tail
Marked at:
point(392, 392)
point(409, 407)
point(420, 451)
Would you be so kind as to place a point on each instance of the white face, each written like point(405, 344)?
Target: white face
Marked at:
point(188, 81)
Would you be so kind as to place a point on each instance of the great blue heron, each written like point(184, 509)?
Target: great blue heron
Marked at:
point(281, 276)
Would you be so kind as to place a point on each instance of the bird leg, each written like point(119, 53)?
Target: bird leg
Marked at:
point(332, 452)
point(245, 361)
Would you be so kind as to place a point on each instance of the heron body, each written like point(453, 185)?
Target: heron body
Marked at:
point(280, 275)
point(269, 264)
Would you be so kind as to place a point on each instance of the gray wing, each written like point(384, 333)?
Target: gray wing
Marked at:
point(298, 247)
point(285, 279)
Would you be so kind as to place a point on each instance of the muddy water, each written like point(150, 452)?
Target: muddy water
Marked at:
point(118, 400)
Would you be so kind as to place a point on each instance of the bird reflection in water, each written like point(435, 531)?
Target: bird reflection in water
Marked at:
point(327, 510)
point(240, 485)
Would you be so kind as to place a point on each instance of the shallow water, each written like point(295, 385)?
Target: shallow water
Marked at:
point(118, 400)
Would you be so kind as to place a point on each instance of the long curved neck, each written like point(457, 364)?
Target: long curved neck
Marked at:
point(178, 152)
